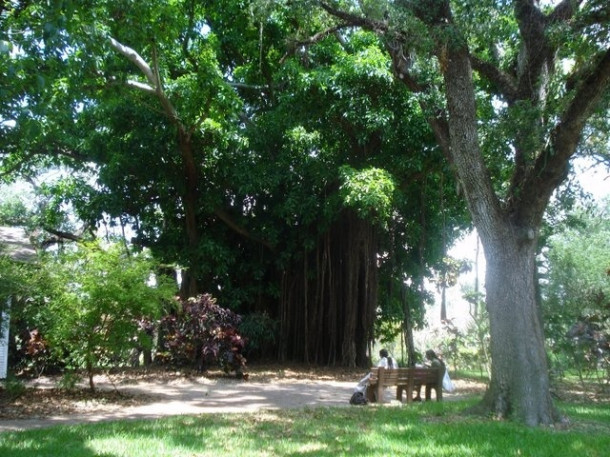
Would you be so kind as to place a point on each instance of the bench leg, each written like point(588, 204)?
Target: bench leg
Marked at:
point(410, 388)
point(369, 393)
point(380, 393)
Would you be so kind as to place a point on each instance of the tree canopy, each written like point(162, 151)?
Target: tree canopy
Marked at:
point(274, 180)
point(308, 159)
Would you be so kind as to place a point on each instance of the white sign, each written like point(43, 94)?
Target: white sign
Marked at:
point(4, 346)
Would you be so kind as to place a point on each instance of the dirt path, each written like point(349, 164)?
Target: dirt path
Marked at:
point(200, 397)
point(157, 396)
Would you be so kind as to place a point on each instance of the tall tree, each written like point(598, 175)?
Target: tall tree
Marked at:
point(119, 85)
point(333, 129)
point(232, 138)
point(508, 89)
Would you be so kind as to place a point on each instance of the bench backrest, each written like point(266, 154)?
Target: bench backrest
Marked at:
point(405, 379)
point(401, 376)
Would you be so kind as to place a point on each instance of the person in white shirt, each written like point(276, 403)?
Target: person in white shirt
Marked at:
point(385, 360)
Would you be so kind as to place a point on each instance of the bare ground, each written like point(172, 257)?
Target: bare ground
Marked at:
point(153, 394)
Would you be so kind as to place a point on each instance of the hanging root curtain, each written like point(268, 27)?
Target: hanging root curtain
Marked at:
point(329, 297)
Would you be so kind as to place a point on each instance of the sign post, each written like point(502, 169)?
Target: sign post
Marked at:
point(4, 329)
point(15, 243)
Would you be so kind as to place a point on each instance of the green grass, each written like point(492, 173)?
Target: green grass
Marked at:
point(432, 429)
point(474, 375)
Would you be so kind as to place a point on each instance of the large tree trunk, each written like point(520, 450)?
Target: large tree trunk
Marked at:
point(190, 284)
point(519, 376)
point(519, 379)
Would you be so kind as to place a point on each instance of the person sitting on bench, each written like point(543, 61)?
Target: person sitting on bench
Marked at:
point(434, 361)
point(385, 361)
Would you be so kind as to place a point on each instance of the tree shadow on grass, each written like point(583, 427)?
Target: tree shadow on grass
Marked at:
point(265, 433)
point(422, 430)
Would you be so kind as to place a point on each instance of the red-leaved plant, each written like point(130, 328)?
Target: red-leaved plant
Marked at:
point(203, 333)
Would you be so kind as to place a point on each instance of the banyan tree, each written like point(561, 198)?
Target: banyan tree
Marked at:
point(282, 177)
point(329, 297)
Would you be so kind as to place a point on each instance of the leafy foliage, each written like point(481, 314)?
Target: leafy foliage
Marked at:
point(95, 299)
point(13, 210)
point(261, 332)
point(369, 192)
point(576, 294)
point(469, 347)
point(202, 332)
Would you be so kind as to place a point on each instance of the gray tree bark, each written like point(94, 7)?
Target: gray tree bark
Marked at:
point(519, 376)
point(520, 385)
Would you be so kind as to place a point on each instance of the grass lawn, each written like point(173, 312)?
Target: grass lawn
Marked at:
point(429, 429)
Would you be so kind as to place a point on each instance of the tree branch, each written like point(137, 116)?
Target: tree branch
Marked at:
point(59, 237)
point(152, 75)
point(141, 86)
point(503, 81)
point(257, 87)
point(537, 54)
point(564, 10)
point(355, 20)
point(593, 16)
point(550, 168)
point(437, 121)
point(170, 111)
point(401, 65)
point(588, 93)
point(136, 59)
point(224, 217)
point(43, 149)
point(313, 40)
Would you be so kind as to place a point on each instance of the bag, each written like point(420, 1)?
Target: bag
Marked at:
point(447, 383)
point(358, 398)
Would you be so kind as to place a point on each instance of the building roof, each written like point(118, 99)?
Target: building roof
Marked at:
point(15, 243)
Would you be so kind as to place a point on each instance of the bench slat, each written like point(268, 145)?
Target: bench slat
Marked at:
point(405, 379)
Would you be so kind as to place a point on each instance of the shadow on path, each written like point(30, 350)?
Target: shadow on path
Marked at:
point(192, 397)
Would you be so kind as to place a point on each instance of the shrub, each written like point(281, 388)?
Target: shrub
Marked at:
point(260, 330)
point(14, 388)
point(35, 355)
point(204, 333)
point(97, 296)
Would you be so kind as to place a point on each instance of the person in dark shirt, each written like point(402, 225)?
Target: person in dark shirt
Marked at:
point(433, 361)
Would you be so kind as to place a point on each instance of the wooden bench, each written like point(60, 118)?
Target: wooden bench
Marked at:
point(405, 379)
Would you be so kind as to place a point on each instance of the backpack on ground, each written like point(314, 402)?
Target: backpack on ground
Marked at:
point(358, 398)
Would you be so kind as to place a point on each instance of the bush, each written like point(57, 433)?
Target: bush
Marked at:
point(204, 333)
point(14, 388)
point(260, 330)
point(34, 355)
point(97, 297)
point(576, 295)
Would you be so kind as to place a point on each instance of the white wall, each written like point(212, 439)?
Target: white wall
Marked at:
point(4, 346)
